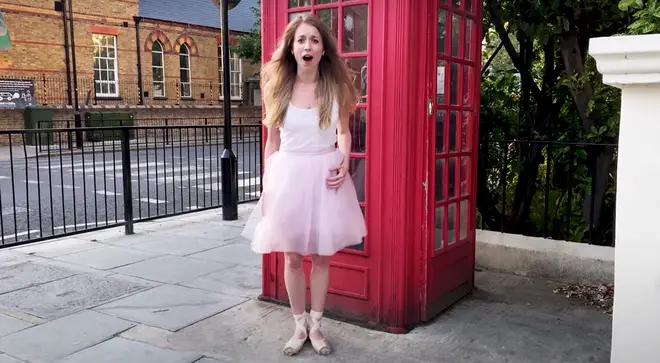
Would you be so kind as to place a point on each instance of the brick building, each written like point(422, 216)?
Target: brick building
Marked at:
point(127, 52)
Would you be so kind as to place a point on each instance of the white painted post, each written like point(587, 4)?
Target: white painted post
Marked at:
point(632, 63)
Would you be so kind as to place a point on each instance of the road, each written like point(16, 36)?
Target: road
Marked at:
point(63, 193)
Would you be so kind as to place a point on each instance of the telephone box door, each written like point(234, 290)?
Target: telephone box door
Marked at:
point(452, 128)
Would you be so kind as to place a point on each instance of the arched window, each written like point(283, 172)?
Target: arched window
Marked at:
point(158, 69)
point(184, 66)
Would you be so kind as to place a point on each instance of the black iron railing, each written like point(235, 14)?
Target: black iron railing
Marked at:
point(122, 175)
point(557, 190)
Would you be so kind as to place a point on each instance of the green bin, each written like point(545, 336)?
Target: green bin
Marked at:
point(108, 119)
point(38, 117)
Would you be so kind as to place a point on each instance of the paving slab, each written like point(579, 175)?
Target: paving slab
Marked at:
point(19, 276)
point(170, 307)
point(235, 253)
point(212, 230)
point(10, 325)
point(49, 342)
point(58, 247)
point(128, 351)
point(9, 257)
point(178, 245)
point(7, 359)
point(107, 257)
point(240, 281)
point(171, 269)
point(508, 319)
point(68, 295)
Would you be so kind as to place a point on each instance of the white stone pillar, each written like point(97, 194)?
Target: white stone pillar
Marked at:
point(632, 63)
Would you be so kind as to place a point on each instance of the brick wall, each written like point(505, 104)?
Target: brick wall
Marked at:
point(38, 51)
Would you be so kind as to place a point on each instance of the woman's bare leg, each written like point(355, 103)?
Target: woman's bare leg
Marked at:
point(320, 278)
point(294, 279)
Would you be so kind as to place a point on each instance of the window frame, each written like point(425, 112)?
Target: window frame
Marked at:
point(189, 69)
point(233, 56)
point(97, 55)
point(162, 67)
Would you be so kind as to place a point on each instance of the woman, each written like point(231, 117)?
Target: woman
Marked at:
point(309, 205)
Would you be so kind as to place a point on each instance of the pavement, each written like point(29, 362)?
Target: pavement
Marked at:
point(184, 290)
point(57, 194)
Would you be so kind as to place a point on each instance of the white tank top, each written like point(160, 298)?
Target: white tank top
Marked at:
point(301, 129)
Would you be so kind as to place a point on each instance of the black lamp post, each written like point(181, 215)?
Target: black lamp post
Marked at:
point(228, 164)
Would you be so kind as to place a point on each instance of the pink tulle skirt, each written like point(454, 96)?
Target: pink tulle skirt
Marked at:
point(297, 212)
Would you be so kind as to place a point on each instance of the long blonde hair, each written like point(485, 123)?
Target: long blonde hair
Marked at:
point(335, 82)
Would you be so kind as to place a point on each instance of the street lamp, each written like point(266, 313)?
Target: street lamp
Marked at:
point(228, 159)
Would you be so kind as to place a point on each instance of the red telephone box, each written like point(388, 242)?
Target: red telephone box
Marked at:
point(417, 66)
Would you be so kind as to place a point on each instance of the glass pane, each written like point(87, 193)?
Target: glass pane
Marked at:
point(465, 124)
point(299, 3)
point(463, 221)
point(456, 3)
point(465, 170)
point(97, 88)
point(97, 75)
point(442, 30)
point(468, 5)
point(455, 34)
point(319, 2)
point(468, 46)
point(452, 131)
point(439, 217)
point(440, 131)
point(103, 64)
point(330, 17)
point(159, 89)
point(185, 76)
point(453, 86)
point(97, 63)
point(467, 85)
point(157, 59)
point(111, 64)
point(358, 127)
point(112, 88)
point(355, 25)
point(104, 75)
point(185, 90)
point(111, 52)
point(111, 75)
point(158, 74)
point(104, 88)
point(104, 53)
point(451, 178)
point(439, 182)
point(358, 247)
point(155, 47)
point(295, 15)
point(183, 61)
point(358, 68)
point(451, 227)
point(357, 171)
point(440, 83)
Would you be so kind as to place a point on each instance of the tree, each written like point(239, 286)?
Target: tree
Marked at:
point(553, 93)
point(248, 46)
point(646, 14)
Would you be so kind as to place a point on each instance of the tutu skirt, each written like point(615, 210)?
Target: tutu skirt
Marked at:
point(297, 212)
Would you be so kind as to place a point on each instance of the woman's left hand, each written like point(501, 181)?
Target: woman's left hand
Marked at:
point(341, 171)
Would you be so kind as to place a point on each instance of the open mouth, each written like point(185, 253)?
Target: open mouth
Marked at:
point(307, 58)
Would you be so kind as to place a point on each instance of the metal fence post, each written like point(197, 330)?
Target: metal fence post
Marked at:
point(126, 176)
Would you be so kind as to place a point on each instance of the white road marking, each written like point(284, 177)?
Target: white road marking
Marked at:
point(34, 182)
point(19, 234)
point(151, 201)
point(105, 192)
point(65, 186)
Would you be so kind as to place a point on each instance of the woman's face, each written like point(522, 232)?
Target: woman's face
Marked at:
point(307, 46)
